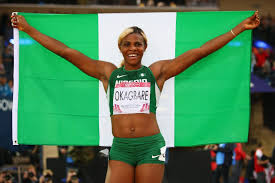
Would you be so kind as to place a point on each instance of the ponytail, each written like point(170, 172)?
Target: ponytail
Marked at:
point(122, 63)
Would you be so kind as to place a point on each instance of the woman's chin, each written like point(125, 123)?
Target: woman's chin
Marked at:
point(133, 62)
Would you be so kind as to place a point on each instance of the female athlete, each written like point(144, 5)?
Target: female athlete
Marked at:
point(138, 150)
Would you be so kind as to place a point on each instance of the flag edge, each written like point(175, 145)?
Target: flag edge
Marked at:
point(15, 87)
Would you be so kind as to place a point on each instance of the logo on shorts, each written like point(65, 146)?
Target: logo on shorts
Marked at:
point(161, 157)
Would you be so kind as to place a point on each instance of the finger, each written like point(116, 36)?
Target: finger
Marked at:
point(13, 14)
point(257, 14)
point(14, 22)
point(14, 26)
point(13, 19)
point(253, 16)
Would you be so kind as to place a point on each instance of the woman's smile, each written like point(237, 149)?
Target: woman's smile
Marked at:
point(132, 48)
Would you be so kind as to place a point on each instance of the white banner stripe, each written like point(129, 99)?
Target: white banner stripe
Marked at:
point(15, 87)
point(160, 30)
point(166, 112)
point(105, 125)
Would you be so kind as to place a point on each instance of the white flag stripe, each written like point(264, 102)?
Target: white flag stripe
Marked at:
point(166, 112)
point(105, 126)
point(160, 29)
point(15, 87)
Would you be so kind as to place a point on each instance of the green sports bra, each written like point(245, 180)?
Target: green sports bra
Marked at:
point(131, 92)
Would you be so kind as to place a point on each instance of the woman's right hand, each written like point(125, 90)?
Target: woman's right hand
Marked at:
point(19, 22)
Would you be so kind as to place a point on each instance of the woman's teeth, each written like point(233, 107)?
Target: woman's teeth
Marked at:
point(132, 55)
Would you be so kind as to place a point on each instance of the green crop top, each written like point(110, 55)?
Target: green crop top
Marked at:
point(131, 92)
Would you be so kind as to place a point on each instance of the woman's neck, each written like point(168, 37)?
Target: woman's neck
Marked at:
point(132, 67)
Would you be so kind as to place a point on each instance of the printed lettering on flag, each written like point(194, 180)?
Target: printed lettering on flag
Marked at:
point(131, 97)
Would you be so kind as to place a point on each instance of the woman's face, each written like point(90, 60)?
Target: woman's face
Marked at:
point(132, 48)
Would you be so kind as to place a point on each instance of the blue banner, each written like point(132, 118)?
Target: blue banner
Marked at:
point(6, 124)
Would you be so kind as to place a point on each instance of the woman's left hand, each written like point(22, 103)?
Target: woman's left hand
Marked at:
point(252, 22)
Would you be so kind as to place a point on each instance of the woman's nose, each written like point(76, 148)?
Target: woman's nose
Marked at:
point(133, 47)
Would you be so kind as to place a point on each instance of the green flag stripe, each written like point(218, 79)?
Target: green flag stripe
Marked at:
point(212, 96)
point(51, 90)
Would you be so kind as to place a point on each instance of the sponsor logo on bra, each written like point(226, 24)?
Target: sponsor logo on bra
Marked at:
point(120, 76)
point(130, 81)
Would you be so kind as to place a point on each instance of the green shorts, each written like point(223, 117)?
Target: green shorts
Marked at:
point(137, 151)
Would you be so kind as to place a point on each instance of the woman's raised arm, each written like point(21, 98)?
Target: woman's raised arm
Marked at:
point(97, 69)
point(166, 69)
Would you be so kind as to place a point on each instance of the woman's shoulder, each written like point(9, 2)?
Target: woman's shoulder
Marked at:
point(116, 72)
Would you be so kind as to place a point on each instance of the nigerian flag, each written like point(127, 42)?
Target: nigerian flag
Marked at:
point(56, 104)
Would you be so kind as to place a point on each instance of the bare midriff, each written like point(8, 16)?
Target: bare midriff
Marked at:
point(134, 125)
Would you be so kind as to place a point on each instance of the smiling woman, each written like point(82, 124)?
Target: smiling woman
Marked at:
point(132, 43)
point(138, 150)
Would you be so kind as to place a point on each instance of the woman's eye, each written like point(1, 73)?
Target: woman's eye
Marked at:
point(138, 44)
point(126, 44)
